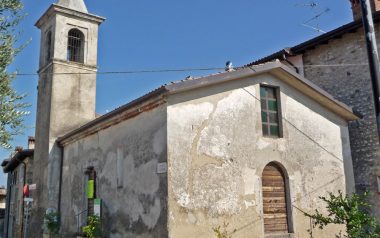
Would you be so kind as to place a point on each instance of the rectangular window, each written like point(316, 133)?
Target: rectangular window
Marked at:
point(270, 111)
point(378, 184)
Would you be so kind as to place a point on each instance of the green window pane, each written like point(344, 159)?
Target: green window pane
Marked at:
point(264, 117)
point(273, 117)
point(269, 111)
point(272, 105)
point(265, 130)
point(262, 91)
point(263, 104)
point(271, 93)
point(274, 131)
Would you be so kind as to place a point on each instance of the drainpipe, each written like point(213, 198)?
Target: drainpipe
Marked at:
point(373, 56)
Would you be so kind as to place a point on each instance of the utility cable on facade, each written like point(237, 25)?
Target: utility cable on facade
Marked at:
point(183, 70)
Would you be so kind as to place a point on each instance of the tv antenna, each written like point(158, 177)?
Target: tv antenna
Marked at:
point(311, 4)
point(315, 26)
point(313, 23)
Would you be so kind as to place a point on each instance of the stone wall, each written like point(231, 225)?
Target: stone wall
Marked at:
point(216, 155)
point(125, 157)
point(352, 86)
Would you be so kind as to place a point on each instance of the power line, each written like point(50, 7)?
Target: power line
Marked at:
point(125, 72)
point(183, 70)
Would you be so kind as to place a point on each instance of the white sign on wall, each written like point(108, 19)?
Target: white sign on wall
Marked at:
point(97, 207)
point(32, 186)
point(28, 199)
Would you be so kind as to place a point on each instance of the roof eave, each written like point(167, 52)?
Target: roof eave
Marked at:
point(278, 69)
point(54, 8)
point(18, 158)
point(322, 39)
point(158, 92)
point(325, 99)
point(343, 110)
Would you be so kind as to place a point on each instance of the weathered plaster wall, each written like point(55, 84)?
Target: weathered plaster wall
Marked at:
point(138, 206)
point(216, 155)
point(352, 85)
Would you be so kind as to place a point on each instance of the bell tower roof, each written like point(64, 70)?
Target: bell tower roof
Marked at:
point(77, 5)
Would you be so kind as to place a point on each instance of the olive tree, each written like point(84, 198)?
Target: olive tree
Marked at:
point(12, 107)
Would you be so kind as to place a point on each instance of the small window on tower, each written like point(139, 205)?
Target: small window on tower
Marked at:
point(75, 46)
point(48, 47)
point(378, 184)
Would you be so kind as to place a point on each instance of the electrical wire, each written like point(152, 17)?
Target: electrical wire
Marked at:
point(124, 72)
point(182, 70)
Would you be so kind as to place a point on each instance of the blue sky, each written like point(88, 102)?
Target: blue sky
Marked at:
point(169, 34)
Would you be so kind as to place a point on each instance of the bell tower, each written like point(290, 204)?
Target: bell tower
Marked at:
point(66, 93)
point(356, 9)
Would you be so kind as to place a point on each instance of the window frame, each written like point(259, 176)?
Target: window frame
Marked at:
point(79, 57)
point(277, 94)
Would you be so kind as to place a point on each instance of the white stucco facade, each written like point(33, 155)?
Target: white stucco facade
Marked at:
point(217, 153)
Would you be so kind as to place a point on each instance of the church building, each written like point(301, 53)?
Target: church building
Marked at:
point(253, 147)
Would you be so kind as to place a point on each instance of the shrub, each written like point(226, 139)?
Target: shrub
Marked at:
point(350, 211)
point(92, 230)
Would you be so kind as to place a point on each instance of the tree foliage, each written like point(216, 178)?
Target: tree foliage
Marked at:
point(350, 211)
point(12, 107)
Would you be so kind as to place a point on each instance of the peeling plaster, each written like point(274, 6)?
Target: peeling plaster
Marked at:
point(249, 176)
point(136, 206)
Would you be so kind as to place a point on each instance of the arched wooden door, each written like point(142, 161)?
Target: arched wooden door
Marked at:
point(274, 200)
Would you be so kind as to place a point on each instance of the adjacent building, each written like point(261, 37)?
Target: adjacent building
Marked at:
point(19, 169)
